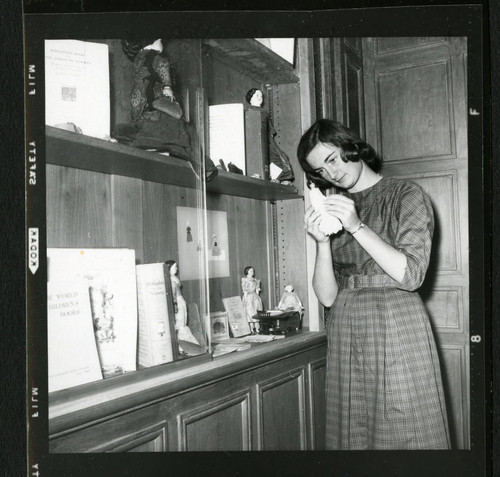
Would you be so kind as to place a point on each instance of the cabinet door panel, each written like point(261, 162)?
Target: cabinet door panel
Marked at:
point(317, 380)
point(281, 409)
point(222, 424)
point(139, 429)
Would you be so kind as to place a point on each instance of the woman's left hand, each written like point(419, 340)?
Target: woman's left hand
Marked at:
point(344, 209)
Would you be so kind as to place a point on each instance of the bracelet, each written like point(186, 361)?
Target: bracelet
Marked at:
point(361, 225)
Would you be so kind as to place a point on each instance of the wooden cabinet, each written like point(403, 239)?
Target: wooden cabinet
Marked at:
point(104, 194)
point(270, 397)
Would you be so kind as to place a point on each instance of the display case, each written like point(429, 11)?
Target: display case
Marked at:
point(103, 194)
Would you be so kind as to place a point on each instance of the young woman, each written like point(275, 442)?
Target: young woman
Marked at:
point(383, 382)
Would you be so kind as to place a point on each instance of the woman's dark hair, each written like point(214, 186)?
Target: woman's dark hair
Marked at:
point(245, 271)
point(132, 47)
point(352, 148)
point(250, 93)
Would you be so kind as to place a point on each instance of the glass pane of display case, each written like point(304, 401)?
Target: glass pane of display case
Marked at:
point(126, 215)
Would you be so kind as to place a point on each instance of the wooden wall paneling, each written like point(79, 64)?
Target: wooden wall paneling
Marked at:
point(225, 84)
point(120, 77)
point(397, 45)
point(446, 308)
point(144, 427)
point(337, 77)
point(79, 210)
point(327, 71)
point(247, 234)
point(281, 411)
point(371, 114)
point(425, 113)
point(153, 442)
point(353, 89)
point(305, 70)
point(354, 44)
point(415, 98)
point(454, 359)
point(290, 240)
point(317, 403)
point(220, 425)
point(285, 113)
point(126, 204)
point(292, 251)
point(160, 229)
point(186, 75)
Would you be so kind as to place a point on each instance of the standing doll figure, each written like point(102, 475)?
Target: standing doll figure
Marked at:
point(180, 305)
point(277, 156)
point(251, 299)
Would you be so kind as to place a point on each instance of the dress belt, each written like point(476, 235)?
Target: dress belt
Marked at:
point(367, 281)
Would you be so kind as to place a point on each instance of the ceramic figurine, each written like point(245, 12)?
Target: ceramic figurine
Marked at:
point(290, 300)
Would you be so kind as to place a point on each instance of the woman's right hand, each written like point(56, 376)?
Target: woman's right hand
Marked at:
point(311, 224)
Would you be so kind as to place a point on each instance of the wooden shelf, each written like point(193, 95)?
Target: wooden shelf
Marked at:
point(253, 59)
point(244, 186)
point(65, 148)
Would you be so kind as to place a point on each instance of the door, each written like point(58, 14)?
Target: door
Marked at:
point(415, 117)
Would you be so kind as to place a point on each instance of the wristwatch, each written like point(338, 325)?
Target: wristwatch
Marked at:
point(361, 225)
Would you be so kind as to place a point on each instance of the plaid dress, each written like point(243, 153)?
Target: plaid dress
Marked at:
point(383, 385)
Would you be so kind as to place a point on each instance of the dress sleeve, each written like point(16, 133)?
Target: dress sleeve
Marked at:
point(162, 67)
point(245, 285)
point(415, 227)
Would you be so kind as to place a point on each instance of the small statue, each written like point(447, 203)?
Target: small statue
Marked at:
point(180, 305)
point(290, 300)
point(255, 99)
point(251, 299)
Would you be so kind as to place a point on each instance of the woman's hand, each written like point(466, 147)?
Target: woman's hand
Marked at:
point(312, 219)
point(344, 209)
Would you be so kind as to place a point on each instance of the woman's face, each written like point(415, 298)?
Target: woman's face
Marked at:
point(326, 160)
point(251, 272)
point(257, 99)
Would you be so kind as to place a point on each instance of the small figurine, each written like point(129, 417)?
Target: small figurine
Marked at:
point(290, 300)
point(251, 299)
point(156, 117)
point(255, 99)
point(328, 224)
point(180, 305)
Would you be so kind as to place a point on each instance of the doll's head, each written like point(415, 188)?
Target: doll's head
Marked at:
point(249, 271)
point(172, 267)
point(254, 97)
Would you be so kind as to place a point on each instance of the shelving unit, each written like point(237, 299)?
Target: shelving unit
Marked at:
point(65, 148)
point(250, 57)
point(106, 194)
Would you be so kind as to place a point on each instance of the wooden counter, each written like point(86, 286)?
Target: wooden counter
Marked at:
point(270, 397)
